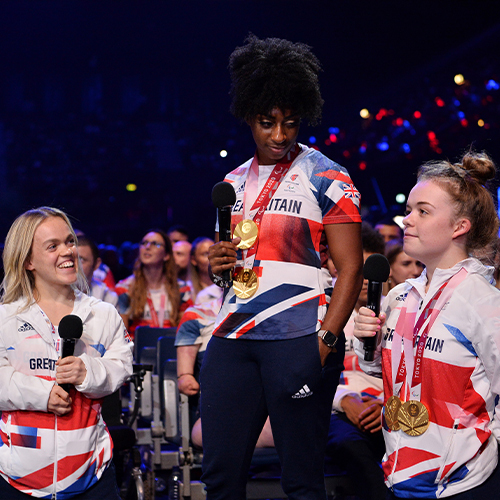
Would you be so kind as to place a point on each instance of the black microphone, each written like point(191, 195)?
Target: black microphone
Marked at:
point(224, 197)
point(376, 270)
point(70, 330)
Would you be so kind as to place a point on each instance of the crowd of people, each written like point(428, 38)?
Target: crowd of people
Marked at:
point(271, 324)
point(176, 292)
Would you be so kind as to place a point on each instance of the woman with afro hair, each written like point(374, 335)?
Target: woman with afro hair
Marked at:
point(277, 348)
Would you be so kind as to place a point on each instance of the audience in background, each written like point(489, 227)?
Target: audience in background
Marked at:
point(198, 275)
point(194, 331)
point(153, 296)
point(90, 261)
point(355, 440)
point(389, 229)
point(182, 255)
point(403, 266)
point(177, 233)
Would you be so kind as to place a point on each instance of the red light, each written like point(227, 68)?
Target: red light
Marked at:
point(464, 122)
point(328, 142)
point(417, 115)
point(431, 135)
point(333, 138)
point(346, 154)
point(362, 165)
point(439, 101)
point(399, 122)
point(382, 112)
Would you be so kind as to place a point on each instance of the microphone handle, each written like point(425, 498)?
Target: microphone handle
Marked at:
point(373, 303)
point(224, 215)
point(67, 349)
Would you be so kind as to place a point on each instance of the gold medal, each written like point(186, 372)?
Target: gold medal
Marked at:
point(245, 283)
point(413, 418)
point(391, 412)
point(248, 231)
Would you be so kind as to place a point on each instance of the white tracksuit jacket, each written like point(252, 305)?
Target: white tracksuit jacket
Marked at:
point(41, 454)
point(460, 387)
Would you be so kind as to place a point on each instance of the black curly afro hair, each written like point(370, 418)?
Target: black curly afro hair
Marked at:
point(274, 73)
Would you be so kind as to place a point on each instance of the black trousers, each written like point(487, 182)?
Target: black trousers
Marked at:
point(244, 381)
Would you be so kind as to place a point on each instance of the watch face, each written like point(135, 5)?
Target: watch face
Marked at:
point(329, 338)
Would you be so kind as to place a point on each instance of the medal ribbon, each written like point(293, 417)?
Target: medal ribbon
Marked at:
point(256, 212)
point(155, 320)
point(410, 363)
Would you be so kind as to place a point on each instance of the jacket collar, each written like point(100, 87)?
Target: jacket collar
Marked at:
point(82, 308)
point(471, 265)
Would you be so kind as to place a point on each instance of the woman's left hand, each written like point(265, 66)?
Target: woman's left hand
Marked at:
point(70, 370)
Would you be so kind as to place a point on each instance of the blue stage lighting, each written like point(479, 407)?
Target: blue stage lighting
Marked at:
point(492, 85)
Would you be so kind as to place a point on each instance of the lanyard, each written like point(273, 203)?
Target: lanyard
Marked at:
point(259, 206)
point(55, 336)
point(157, 319)
point(409, 366)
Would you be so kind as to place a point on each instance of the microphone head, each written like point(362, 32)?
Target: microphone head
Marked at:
point(223, 195)
point(376, 268)
point(70, 327)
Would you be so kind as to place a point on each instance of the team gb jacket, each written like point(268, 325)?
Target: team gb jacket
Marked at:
point(460, 387)
point(41, 454)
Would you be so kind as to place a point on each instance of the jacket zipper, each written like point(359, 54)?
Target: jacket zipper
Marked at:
point(439, 479)
point(54, 493)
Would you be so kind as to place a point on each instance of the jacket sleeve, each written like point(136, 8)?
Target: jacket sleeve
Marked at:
point(374, 367)
point(485, 342)
point(105, 374)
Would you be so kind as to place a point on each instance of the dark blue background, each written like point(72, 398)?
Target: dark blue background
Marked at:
point(95, 95)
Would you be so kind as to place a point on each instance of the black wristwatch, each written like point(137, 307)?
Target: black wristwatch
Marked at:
point(329, 338)
point(220, 281)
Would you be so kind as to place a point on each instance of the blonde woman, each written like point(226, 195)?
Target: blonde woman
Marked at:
point(55, 443)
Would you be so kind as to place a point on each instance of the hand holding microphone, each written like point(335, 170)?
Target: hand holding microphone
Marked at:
point(70, 330)
point(376, 270)
point(222, 255)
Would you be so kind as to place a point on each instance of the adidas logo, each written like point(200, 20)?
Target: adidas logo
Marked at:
point(25, 328)
point(303, 393)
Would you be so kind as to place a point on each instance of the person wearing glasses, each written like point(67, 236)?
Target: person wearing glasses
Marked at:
point(152, 295)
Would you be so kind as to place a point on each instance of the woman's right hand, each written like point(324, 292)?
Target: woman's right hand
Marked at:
point(222, 255)
point(59, 401)
point(366, 324)
point(188, 385)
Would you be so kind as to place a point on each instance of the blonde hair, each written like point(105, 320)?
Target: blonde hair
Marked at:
point(19, 282)
point(139, 287)
point(465, 183)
